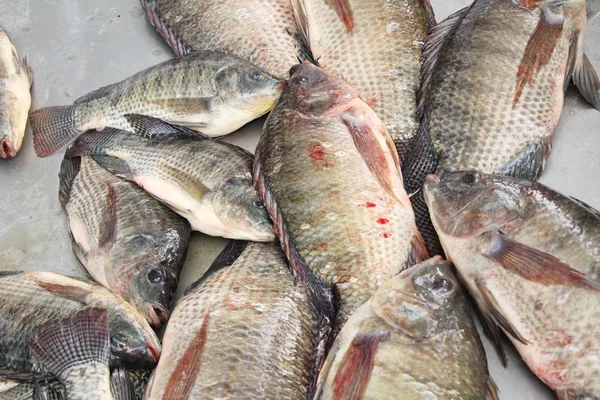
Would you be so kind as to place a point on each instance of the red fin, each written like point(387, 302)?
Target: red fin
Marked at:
point(183, 377)
point(370, 149)
point(344, 11)
point(535, 265)
point(537, 53)
point(108, 226)
point(65, 291)
point(355, 368)
point(418, 251)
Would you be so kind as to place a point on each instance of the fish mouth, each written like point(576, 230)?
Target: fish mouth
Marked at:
point(7, 149)
point(157, 315)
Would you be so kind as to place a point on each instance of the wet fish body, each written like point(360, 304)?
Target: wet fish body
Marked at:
point(529, 257)
point(262, 31)
point(494, 79)
point(127, 240)
point(16, 77)
point(209, 92)
point(329, 175)
point(266, 332)
point(414, 339)
point(205, 181)
point(31, 299)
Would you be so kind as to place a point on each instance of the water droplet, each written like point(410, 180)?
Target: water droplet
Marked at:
point(572, 112)
point(240, 13)
point(305, 226)
point(393, 27)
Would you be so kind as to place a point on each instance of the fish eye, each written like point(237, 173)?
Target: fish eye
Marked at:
point(442, 285)
point(300, 80)
point(259, 204)
point(470, 178)
point(257, 75)
point(155, 276)
point(119, 341)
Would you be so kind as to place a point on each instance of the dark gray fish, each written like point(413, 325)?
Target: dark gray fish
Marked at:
point(244, 330)
point(127, 240)
point(210, 92)
point(31, 299)
point(206, 181)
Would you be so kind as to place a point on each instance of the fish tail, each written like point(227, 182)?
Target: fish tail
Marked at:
point(54, 128)
point(81, 339)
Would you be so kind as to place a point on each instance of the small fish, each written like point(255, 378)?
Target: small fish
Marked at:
point(212, 93)
point(530, 258)
point(77, 351)
point(260, 31)
point(330, 178)
point(127, 240)
point(16, 77)
point(494, 80)
point(31, 299)
point(414, 339)
point(206, 181)
point(244, 330)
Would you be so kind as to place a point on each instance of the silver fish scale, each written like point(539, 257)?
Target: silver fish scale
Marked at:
point(469, 110)
point(380, 59)
point(259, 340)
point(260, 31)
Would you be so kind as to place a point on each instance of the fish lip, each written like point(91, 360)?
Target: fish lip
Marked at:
point(157, 314)
point(7, 149)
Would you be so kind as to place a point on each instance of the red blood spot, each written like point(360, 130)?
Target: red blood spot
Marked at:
point(316, 152)
point(383, 221)
point(385, 235)
point(368, 204)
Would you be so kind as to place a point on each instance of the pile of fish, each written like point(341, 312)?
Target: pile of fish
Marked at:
point(391, 143)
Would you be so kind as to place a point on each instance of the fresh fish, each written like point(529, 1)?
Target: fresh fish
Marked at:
point(414, 339)
point(128, 241)
point(77, 351)
point(260, 31)
point(210, 92)
point(205, 181)
point(376, 47)
point(529, 256)
point(31, 299)
point(244, 330)
point(494, 79)
point(16, 77)
point(330, 178)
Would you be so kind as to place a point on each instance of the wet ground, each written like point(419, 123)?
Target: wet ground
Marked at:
point(76, 46)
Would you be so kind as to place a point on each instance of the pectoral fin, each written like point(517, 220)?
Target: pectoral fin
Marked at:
point(108, 225)
point(28, 69)
point(535, 265)
point(586, 80)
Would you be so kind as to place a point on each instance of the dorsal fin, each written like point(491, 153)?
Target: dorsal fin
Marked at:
point(97, 94)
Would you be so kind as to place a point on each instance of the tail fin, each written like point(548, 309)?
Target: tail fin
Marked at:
point(81, 339)
point(54, 128)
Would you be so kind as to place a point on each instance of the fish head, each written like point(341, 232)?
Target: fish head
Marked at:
point(132, 340)
point(239, 207)
point(248, 88)
point(418, 301)
point(146, 270)
point(468, 203)
point(11, 128)
point(314, 92)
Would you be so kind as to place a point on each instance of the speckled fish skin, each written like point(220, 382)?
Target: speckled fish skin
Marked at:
point(244, 330)
point(260, 31)
point(30, 299)
point(16, 78)
point(328, 173)
point(558, 323)
point(206, 181)
point(209, 92)
point(127, 240)
point(385, 352)
point(472, 108)
point(379, 55)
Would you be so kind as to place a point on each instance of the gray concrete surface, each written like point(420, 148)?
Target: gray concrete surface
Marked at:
point(79, 45)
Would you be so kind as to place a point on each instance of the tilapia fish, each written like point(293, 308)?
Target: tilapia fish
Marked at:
point(330, 178)
point(127, 240)
point(16, 77)
point(374, 46)
point(205, 181)
point(77, 351)
point(31, 299)
point(244, 330)
point(210, 92)
point(529, 256)
point(260, 31)
point(414, 339)
point(494, 79)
